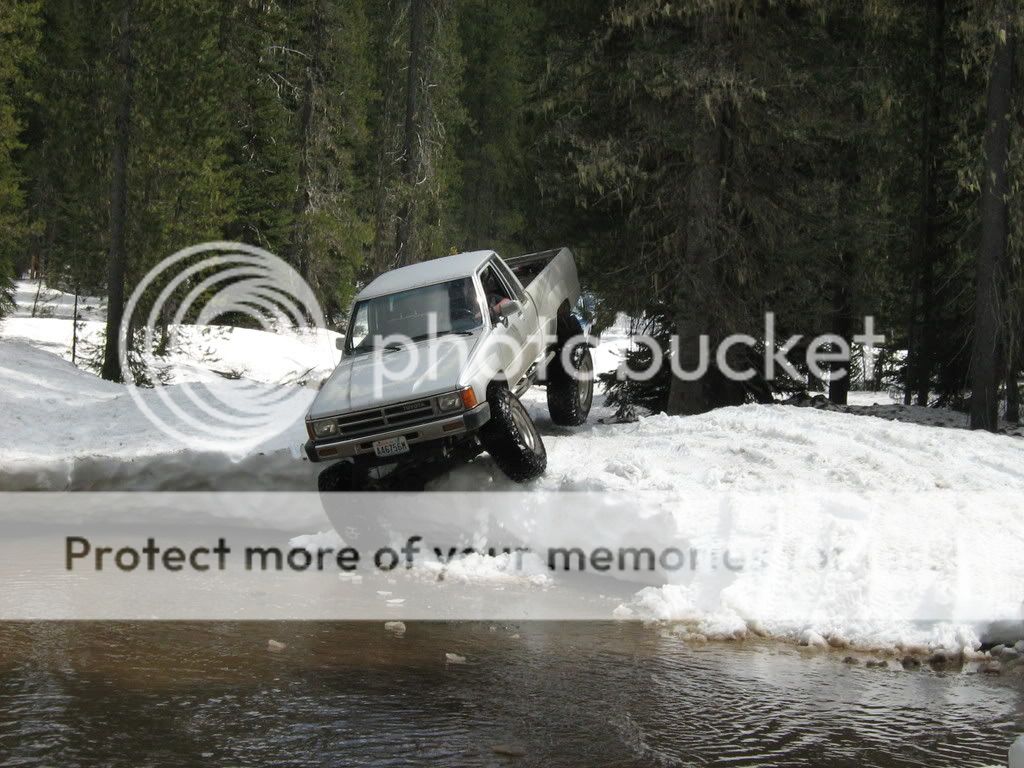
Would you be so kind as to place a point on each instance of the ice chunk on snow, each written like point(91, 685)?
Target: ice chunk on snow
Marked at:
point(396, 628)
point(506, 568)
point(319, 541)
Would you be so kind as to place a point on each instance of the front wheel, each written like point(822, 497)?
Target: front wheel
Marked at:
point(511, 437)
point(342, 477)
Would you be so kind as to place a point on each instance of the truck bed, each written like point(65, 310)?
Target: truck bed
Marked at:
point(550, 279)
point(529, 265)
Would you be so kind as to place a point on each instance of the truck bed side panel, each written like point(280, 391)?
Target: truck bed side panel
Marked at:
point(556, 281)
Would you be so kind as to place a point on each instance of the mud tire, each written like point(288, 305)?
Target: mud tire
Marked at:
point(511, 437)
point(571, 393)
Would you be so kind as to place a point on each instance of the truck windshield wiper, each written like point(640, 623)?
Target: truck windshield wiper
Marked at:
point(392, 347)
point(425, 336)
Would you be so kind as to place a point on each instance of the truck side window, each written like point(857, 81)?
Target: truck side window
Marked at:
point(510, 279)
point(495, 291)
point(360, 325)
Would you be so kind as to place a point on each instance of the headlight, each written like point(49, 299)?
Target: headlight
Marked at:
point(450, 402)
point(325, 428)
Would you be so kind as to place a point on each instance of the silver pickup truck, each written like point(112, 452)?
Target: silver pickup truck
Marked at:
point(435, 358)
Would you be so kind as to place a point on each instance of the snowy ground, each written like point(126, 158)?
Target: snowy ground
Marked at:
point(884, 405)
point(65, 428)
point(200, 353)
point(34, 299)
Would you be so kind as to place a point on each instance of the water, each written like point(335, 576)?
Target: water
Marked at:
point(580, 694)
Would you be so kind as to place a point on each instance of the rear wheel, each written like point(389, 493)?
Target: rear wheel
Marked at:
point(511, 437)
point(571, 392)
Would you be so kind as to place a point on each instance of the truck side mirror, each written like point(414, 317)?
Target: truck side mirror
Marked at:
point(339, 343)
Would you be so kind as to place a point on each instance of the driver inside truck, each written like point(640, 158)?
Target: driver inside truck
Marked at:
point(495, 291)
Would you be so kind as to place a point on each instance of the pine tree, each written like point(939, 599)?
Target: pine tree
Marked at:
point(498, 40)
point(992, 262)
point(117, 263)
point(415, 121)
point(701, 131)
point(332, 76)
point(260, 98)
point(19, 41)
point(67, 161)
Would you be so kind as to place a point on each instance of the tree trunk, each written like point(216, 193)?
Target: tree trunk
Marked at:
point(926, 244)
point(880, 363)
point(988, 319)
point(687, 397)
point(74, 327)
point(300, 258)
point(39, 289)
point(116, 265)
point(703, 209)
point(410, 146)
point(842, 326)
point(1012, 392)
point(843, 275)
point(304, 193)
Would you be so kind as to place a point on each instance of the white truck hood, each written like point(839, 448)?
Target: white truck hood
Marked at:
point(362, 381)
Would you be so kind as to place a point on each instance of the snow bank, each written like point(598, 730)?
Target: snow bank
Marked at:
point(65, 428)
point(198, 353)
point(756, 447)
point(893, 564)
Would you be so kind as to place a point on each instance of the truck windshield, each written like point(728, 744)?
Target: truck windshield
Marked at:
point(416, 314)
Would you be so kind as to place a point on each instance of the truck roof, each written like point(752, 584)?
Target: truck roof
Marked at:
point(425, 273)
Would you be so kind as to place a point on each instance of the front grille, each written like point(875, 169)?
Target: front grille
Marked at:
point(387, 418)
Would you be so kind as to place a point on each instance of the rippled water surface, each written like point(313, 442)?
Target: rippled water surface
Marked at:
point(561, 694)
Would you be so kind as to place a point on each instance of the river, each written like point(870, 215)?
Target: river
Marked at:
point(531, 694)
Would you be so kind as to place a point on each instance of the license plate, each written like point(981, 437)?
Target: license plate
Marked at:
point(393, 446)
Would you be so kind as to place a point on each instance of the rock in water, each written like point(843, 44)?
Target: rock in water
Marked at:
point(812, 639)
point(454, 658)
point(275, 647)
point(850, 660)
point(397, 628)
point(909, 662)
point(939, 659)
point(1009, 654)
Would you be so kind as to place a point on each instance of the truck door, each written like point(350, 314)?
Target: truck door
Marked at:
point(522, 324)
point(534, 331)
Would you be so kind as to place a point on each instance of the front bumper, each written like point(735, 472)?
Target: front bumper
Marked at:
point(451, 426)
